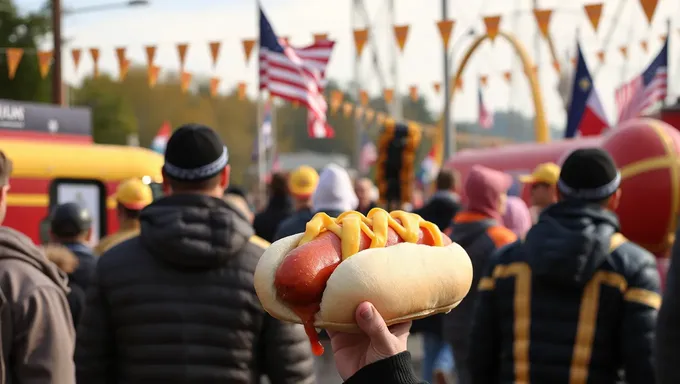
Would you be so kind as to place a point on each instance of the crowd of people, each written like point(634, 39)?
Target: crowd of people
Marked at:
point(559, 295)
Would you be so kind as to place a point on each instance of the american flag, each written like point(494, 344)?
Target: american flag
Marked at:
point(485, 116)
point(646, 90)
point(368, 155)
point(296, 75)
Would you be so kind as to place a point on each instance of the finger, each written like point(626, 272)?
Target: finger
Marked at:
point(373, 324)
point(400, 329)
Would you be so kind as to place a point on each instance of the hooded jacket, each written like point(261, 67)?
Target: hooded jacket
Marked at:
point(278, 209)
point(575, 302)
point(37, 336)
point(177, 305)
point(668, 328)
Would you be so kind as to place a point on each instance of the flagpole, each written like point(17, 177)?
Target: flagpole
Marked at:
point(356, 91)
point(668, 56)
point(274, 135)
point(261, 196)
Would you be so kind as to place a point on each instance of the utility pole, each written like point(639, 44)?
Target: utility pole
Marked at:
point(56, 54)
point(449, 134)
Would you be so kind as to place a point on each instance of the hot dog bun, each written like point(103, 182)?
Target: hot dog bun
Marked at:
point(404, 282)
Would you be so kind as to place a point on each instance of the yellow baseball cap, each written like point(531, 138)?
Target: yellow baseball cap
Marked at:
point(302, 181)
point(134, 194)
point(548, 173)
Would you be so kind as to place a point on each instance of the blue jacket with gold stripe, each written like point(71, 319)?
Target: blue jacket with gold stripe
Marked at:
point(574, 303)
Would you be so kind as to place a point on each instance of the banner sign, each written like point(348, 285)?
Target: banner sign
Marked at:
point(24, 117)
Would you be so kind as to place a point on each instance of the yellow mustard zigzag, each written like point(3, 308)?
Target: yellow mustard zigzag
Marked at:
point(349, 225)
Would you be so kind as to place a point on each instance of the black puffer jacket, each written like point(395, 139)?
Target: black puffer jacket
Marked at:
point(575, 302)
point(177, 305)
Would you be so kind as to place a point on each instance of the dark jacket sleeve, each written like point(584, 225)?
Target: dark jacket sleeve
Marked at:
point(94, 342)
point(668, 328)
point(287, 353)
point(483, 360)
point(641, 303)
point(43, 339)
point(397, 369)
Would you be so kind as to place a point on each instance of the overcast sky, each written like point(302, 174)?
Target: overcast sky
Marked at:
point(167, 22)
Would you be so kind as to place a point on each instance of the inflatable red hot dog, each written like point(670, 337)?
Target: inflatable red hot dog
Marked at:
point(399, 262)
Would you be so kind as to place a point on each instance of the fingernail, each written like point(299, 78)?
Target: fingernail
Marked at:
point(367, 313)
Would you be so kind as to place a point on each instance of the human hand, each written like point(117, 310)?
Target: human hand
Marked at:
point(353, 351)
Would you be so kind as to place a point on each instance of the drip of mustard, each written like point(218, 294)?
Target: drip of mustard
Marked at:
point(349, 225)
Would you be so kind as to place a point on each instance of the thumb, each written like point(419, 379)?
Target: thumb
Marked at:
point(373, 325)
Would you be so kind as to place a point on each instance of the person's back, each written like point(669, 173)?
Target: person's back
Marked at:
point(279, 208)
point(302, 183)
point(444, 204)
point(180, 298)
point(67, 262)
point(575, 302)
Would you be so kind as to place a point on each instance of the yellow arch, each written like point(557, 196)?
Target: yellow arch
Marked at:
point(540, 123)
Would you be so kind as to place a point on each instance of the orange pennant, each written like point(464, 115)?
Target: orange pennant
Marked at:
point(492, 24)
point(14, 56)
point(388, 94)
point(649, 7)
point(369, 114)
point(557, 66)
point(363, 97)
point(507, 75)
point(122, 62)
point(543, 20)
point(248, 45)
point(242, 86)
point(347, 109)
point(624, 51)
point(120, 54)
point(153, 73)
point(360, 39)
point(214, 47)
point(320, 37)
point(459, 83)
point(124, 69)
point(75, 56)
point(437, 87)
point(182, 49)
point(185, 81)
point(214, 85)
point(413, 93)
point(445, 28)
point(336, 100)
point(594, 13)
point(644, 45)
point(600, 56)
point(44, 62)
point(94, 52)
point(401, 34)
point(150, 55)
point(483, 80)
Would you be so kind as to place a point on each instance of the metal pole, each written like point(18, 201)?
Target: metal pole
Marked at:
point(56, 66)
point(358, 131)
point(449, 131)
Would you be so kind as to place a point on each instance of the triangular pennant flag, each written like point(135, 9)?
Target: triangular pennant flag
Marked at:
point(150, 55)
point(363, 97)
point(248, 45)
point(492, 24)
point(336, 100)
point(347, 109)
point(543, 20)
point(594, 13)
point(185, 81)
point(360, 39)
point(153, 72)
point(413, 93)
point(649, 7)
point(483, 80)
point(75, 56)
point(401, 34)
point(124, 69)
point(214, 47)
point(320, 37)
point(624, 51)
point(437, 87)
point(120, 54)
point(644, 45)
point(557, 66)
point(600, 56)
point(44, 62)
point(94, 52)
point(507, 75)
point(214, 85)
point(388, 95)
point(242, 86)
point(182, 49)
point(122, 62)
point(445, 28)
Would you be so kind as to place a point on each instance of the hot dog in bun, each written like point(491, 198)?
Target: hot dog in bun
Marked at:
point(399, 262)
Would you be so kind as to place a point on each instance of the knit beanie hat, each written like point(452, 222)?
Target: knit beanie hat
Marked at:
point(195, 153)
point(589, 174)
